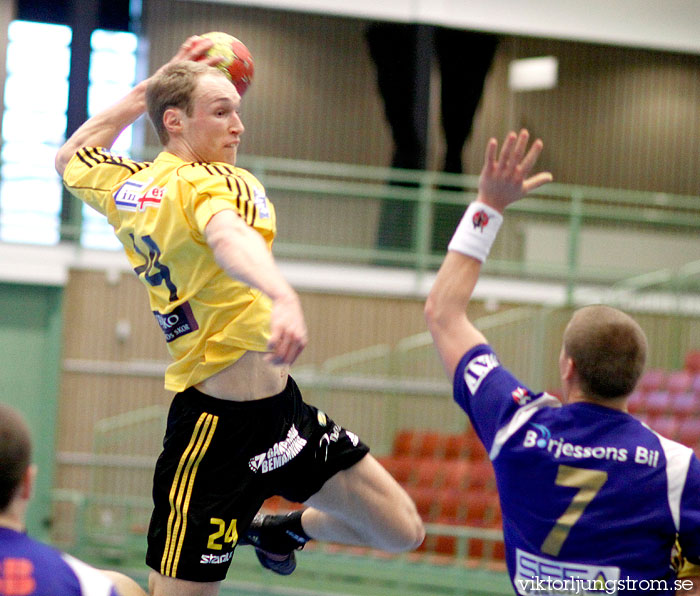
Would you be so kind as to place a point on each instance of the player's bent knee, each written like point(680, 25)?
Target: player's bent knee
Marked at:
point(408, 533)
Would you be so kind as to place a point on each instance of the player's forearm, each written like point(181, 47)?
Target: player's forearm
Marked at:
point(242, 253)
point(452, 290)
point(103, 129)
point(446, 310)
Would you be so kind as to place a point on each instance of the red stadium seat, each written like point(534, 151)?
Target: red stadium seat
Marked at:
point(652, 380)
point(452, 506)
point(456, 446)
point(679, 381)
point(692, 361)
point(400, 467)
point(404, 442)
point(635, 402)
point(475, 450)
point(665, 425)
point(481, 507)
point(685, 404)
point(688, 432)
point(426, 500)
point(456, 473)
point(429, 444)
point(428, 471)
point(657, 403)
point(481, 475)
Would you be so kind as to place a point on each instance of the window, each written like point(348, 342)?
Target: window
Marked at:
point(112, 74)
point(33, 128)
point(34, 125)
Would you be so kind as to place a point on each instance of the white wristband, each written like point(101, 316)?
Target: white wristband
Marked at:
point(476, 231)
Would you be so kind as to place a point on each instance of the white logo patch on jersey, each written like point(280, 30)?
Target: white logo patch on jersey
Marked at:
point(260, 201)
point(132, 196)
point(535, 575)
point(477, 370)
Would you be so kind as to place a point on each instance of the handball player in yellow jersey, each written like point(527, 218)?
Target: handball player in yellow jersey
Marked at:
point(198, 232)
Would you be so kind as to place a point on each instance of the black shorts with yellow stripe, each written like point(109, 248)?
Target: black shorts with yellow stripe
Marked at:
point(221, 460)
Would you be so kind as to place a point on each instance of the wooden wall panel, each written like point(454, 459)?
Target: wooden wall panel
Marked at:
point(313, 96)
point(619, 117)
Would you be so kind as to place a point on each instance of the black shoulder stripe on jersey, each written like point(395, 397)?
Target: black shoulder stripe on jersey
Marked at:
point(243, 189)
point(92, 154)
point(82, 156)
point(243, 192)
point(117, 160)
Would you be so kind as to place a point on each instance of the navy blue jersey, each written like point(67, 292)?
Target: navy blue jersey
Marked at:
point(591, 497)
point(30, 568)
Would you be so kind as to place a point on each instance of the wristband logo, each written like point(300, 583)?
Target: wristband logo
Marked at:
point(480, 220)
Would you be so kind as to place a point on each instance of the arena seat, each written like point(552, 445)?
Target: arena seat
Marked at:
point(457, 445)
point(692, 361)
point(401, 467)
point(679, 381)
point(456, 473)
point(428, 471)
point(404, 442)
point(657, 403)
point(666, 425)
point(653, 379)
point(688, 432)
point(695, 385)
point(685, 404)
point(635, 402)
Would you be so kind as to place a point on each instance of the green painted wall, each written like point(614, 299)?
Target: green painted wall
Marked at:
point(30, 343)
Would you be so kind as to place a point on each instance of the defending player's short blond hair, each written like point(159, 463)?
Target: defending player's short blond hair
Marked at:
point(608, 348)
point(15, 453)
point(173, 87)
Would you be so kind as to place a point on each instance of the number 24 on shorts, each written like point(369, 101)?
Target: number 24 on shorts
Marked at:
point(230, 533)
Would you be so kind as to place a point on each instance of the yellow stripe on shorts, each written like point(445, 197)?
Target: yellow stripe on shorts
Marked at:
point(181, 491)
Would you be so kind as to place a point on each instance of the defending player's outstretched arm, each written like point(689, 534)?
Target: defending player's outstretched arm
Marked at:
point(505, 178)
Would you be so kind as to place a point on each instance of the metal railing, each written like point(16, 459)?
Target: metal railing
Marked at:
point(333, 212)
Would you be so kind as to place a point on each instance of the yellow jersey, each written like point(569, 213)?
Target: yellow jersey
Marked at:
point(159, 211)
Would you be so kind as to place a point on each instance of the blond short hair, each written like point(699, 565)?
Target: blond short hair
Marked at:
point(173, 87)
point(608, 348)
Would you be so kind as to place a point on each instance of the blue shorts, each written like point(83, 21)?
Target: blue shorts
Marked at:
point(221, 459)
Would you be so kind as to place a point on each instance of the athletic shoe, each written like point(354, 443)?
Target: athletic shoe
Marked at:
point(274, 544)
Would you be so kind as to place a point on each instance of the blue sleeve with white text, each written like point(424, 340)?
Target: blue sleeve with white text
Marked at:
point(487, 392)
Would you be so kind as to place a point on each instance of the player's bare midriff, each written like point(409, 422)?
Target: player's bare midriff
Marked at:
point(250, 377)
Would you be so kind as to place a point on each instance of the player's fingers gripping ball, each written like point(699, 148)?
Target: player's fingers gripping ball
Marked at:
point(236, 63)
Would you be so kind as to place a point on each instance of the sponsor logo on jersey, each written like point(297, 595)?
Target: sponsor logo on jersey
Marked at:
point(177, 323)
point(215, 559)
point(260, 201)
point(279, 454)
point(477, 370)
point(521, 396)
point(535, 575)
point(133, 196)
point(541, 437)
point(332, 437)
point(17, 577)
